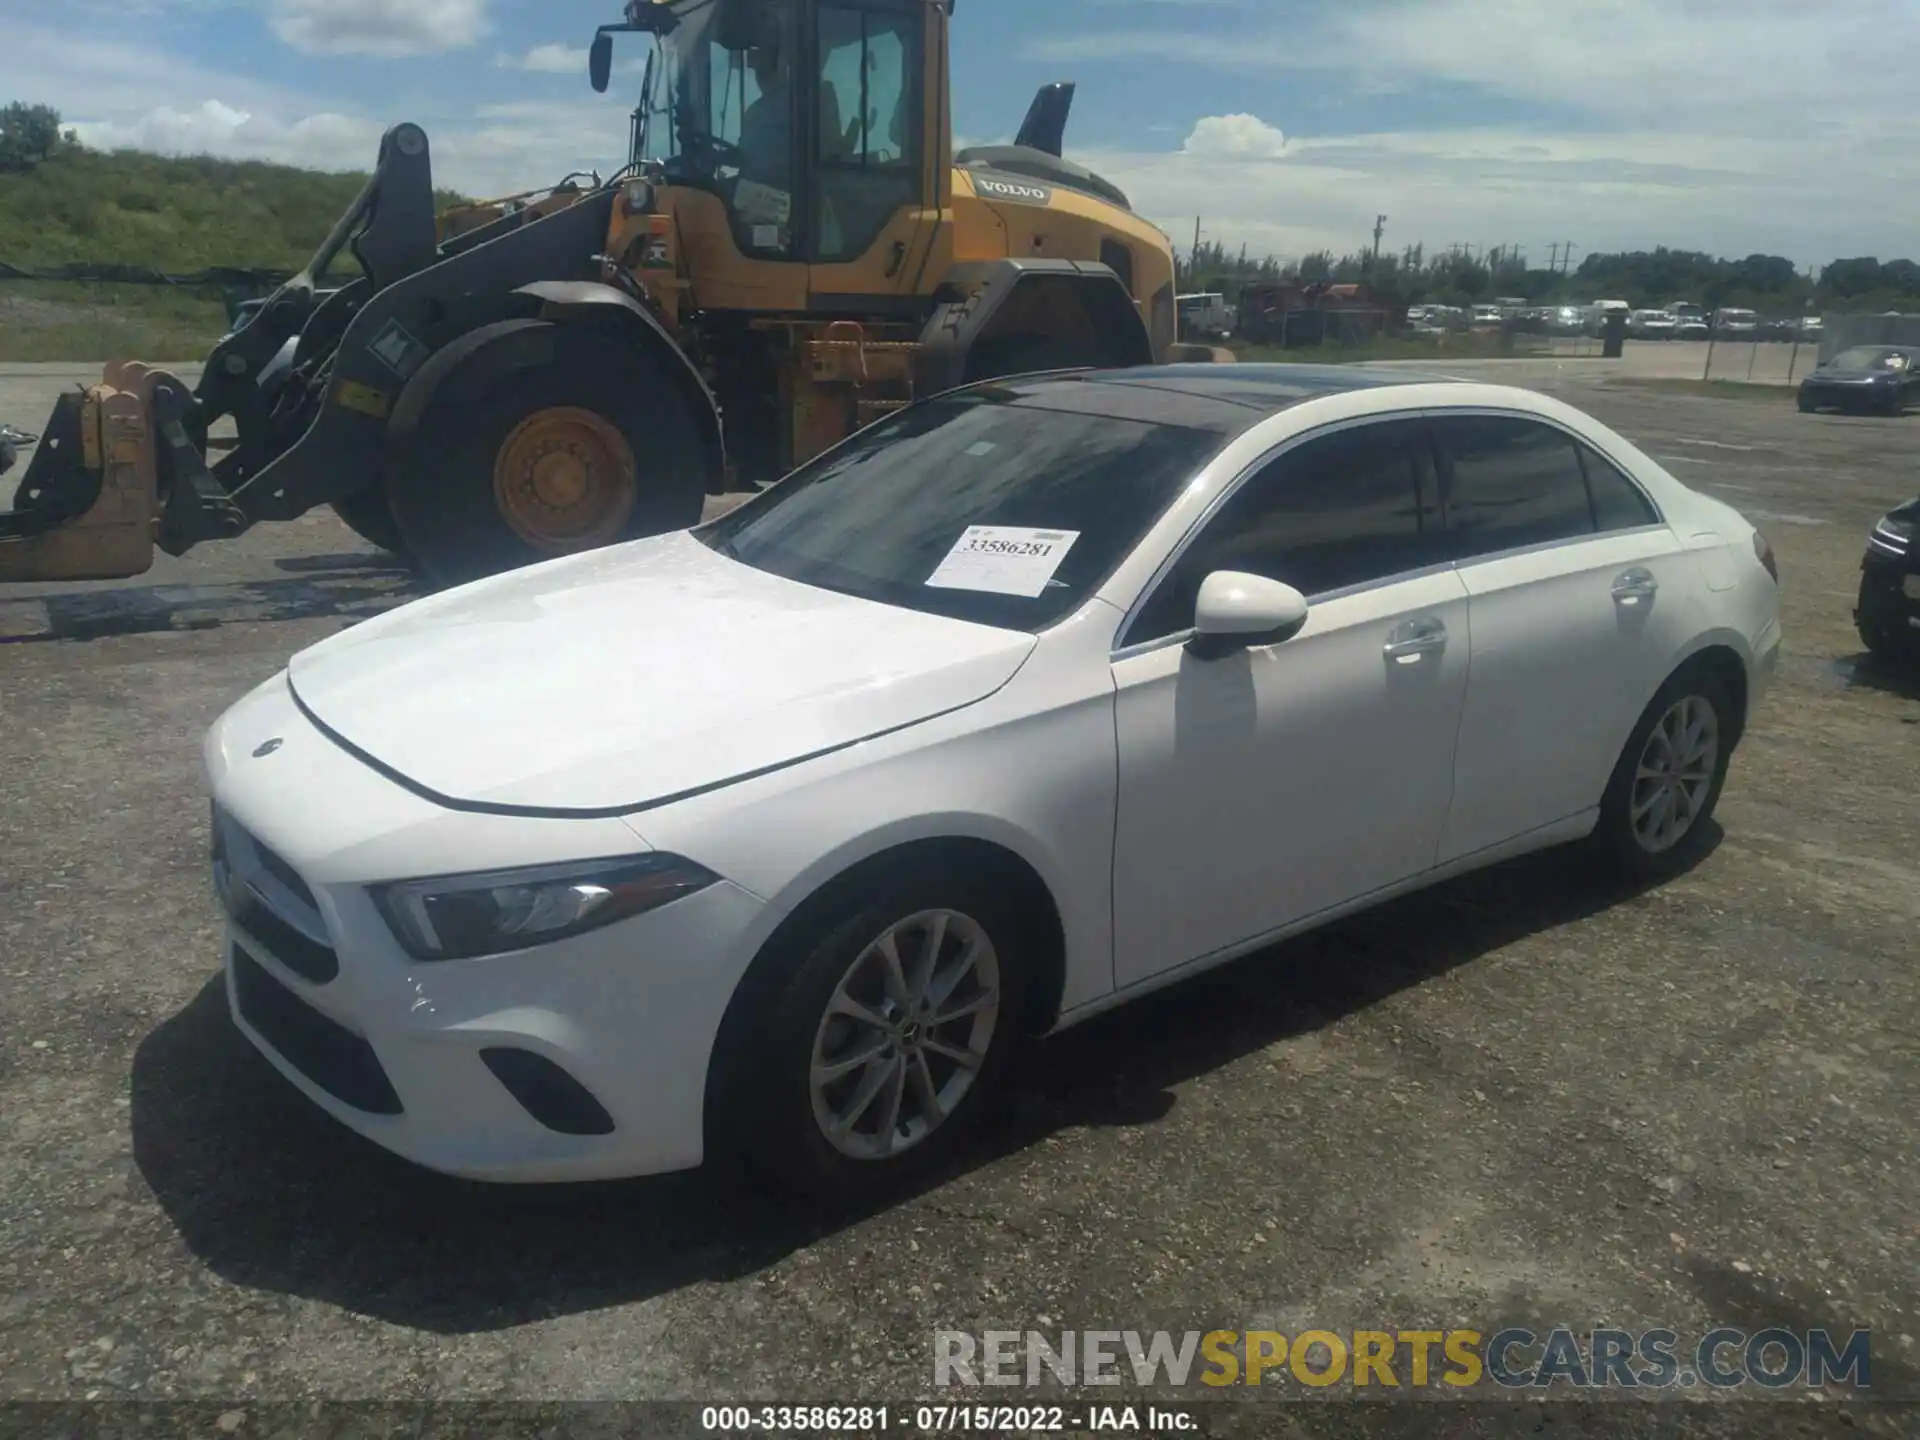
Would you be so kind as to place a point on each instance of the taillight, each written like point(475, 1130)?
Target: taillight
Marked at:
point(1763, 552)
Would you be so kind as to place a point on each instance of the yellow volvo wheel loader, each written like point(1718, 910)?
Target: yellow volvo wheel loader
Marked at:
point(793, 251)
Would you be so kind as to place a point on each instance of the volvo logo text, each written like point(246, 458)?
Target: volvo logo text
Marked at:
point(1012, 190)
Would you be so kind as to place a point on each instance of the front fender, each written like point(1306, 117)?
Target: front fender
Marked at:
point(589, 301)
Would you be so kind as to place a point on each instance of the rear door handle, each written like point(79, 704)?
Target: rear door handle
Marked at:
point(1423, 636)
point(1630, 587)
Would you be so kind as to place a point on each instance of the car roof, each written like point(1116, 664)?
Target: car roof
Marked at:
point(1225, 398)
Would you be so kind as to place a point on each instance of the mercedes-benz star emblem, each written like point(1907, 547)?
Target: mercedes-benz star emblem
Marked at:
point(267, 747)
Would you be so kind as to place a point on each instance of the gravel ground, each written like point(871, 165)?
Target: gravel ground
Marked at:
point(1521, 1098)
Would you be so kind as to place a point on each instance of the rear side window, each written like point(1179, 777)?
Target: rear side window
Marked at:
point(1618, 503)
point(1510, 482)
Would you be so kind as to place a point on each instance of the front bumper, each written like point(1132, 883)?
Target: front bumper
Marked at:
point(1848, 394)
point(1889, 601)
point(607, 1035)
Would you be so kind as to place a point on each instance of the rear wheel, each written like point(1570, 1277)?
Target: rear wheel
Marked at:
point(591, 446)
point(1807, 405)
point(1654, 816)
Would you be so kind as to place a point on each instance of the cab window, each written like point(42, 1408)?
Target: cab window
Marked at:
point(868, 141)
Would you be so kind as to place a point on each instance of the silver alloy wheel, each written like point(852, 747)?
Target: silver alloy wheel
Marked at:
point(905, 1034)
point(1674, 774)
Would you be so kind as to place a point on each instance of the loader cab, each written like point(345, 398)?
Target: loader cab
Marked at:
point(809, 120)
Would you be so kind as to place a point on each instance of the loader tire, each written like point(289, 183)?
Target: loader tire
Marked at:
point(592, 448)
point(368, 515)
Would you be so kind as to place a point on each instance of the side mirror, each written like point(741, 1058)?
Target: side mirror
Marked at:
point(1238, 611)
point(600, 61)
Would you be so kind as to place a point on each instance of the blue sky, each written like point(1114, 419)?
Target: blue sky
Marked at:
point(1726, 125)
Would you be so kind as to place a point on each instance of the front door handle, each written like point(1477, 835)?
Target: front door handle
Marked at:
point(1425, 636)
point(1632, 587)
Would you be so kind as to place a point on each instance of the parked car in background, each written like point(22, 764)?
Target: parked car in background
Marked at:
point(1599, 311)
point(1567, 320)
point(1888, 613)
point(1811, 327)
point(1689, 320)
point(1778, 329)
point(1014, 706)
point(1203, 317)
point(1487, 317)
point(1732, 323)
point(1650, 325)
point(1880, 378)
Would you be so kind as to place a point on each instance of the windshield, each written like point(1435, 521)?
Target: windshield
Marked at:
point(703, 108)
point(992, 506)
point(1869, 357)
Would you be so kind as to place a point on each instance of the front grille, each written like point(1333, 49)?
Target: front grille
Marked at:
point(267, 898)
point(327, 1053)
point(307, 958)
point(286, 875)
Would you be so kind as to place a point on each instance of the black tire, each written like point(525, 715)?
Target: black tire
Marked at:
point(1884, 642)
point(444, 502)
point(761, 1102)
point(1616, 838)
point(1807, 405)
point(368, 515)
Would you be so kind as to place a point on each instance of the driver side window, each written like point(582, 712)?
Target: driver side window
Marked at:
point(1349, 508)
point(869, 141)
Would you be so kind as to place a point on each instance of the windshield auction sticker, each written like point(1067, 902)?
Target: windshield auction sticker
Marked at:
point(1003, 560)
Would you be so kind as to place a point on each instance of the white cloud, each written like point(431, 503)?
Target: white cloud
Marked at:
point(563, 60)
point(1246, 136)
point(1726, 125)
point(383, 28)
point(1811, 199)
point(322, 141)
point(548, 60)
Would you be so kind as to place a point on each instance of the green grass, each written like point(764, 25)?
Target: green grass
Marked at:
point(1711, 389)
point(174, 215)
point(52, 321)
point(126, 207)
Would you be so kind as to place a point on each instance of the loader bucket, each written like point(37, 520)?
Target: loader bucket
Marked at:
point(86, 506)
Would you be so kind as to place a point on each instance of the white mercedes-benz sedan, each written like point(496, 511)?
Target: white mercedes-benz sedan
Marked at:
point(769, 838)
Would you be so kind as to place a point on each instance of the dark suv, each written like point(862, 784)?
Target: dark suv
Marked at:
point(1888, 615)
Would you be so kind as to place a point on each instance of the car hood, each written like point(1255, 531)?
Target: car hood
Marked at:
point(1830, 373)
point(632, 675)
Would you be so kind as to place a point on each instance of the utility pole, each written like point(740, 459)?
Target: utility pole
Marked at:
point(1553, 257)
point(1566, 256)
point(1379, 229)
point(1195, 262)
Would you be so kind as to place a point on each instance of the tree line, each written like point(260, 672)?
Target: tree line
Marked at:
point(30, 134)
point(1770, 284)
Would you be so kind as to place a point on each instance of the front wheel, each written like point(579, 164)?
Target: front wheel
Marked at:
point(575, 441)
point(864, 1066)
point(1655, 813)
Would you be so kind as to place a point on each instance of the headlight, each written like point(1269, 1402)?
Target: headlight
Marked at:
point(1892, 535)
point(460, 917)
